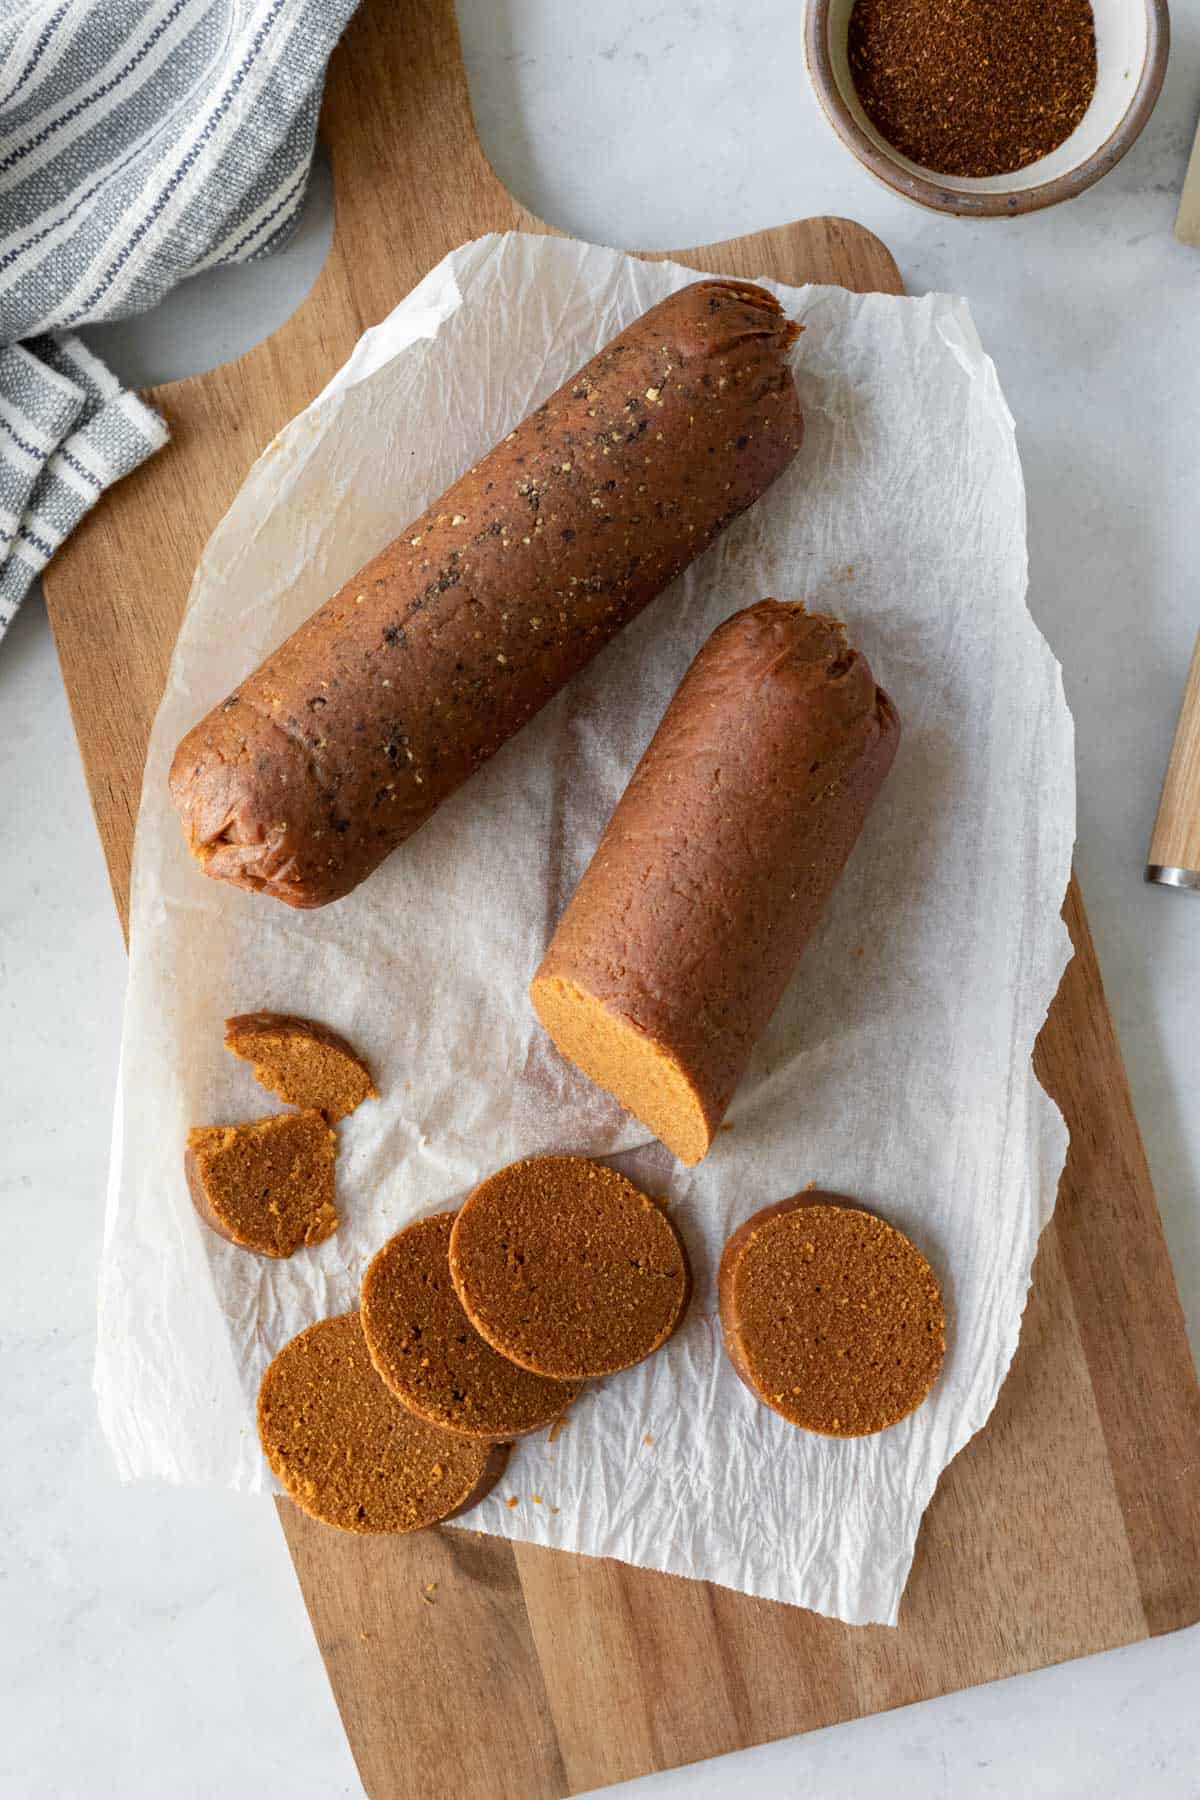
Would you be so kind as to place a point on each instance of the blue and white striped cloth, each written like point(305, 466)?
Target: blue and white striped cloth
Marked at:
point(140, 142)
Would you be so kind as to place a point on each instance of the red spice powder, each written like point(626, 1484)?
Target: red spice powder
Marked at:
point(973, 87)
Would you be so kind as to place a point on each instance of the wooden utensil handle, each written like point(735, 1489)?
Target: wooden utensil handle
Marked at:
point(1175, 843)
point(1187, 224)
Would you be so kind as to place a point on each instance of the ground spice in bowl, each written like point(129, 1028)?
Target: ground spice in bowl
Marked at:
point(973, 87)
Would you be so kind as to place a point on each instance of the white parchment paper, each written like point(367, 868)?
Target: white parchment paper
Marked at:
point(897, 1068)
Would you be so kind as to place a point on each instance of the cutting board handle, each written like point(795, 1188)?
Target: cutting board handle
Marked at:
point(397, 121)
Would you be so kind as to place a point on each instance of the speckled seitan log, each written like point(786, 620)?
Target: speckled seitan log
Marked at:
point(349, 736)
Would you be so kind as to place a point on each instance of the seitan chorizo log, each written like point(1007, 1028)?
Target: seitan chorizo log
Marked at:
point(715, 867)
point(356, 728)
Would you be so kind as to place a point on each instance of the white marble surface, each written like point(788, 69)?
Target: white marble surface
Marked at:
point(155, 1641)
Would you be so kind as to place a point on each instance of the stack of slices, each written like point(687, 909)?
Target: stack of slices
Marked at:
point(474, 1328)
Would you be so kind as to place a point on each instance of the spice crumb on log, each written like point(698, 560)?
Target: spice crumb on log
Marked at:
point(304, 1063)
point(830, 1316)
point(431, 1356)
point(348, 1453)
point(349, 736)
point(567, 1268)
point(729, 840)
point(266, 1184)
point(973, 88)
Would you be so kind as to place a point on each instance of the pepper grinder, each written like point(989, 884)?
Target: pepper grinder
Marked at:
point(1175, 842)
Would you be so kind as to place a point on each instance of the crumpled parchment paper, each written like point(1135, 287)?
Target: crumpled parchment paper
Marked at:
point(897, 1069)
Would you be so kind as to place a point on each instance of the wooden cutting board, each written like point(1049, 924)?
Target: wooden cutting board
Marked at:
point(1070, 1525)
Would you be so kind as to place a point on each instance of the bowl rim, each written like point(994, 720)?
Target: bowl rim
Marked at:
point(926, 190)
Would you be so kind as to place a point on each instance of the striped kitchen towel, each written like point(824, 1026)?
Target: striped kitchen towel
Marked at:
point(140, 142)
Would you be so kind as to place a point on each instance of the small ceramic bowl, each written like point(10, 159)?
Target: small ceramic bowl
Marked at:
point(1132, 37)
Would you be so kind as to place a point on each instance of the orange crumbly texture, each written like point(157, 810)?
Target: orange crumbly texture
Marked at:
point(431, 1356)
point(568, 1269)
point(643, 1075)
point(831, 1317)
point(348, 1453)
point(305, 1063)
point(266, 1185)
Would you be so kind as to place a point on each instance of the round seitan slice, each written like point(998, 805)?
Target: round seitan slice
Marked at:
point(348, 1453)
point(266, 1184)
point(431, 1356)
point(831, 1317)
point(568, 1269)
point(303, 1062)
